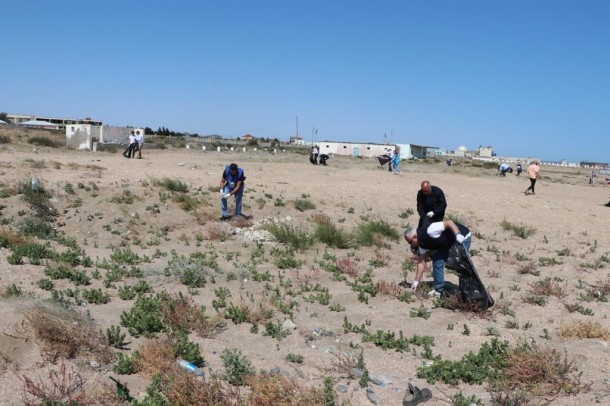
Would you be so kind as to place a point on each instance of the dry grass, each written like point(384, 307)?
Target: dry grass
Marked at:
point(534, 370)
point(184, 389)
point(388, 289)
point(61, 387)
point(217, 231)
point(304, 277)
point(241, 222)
point(529, 268)
point(549, 287)
point(203, 216)
point(583, 329)
point(320, 218)
point(11, 238)
point(281, 391)
point(344, 363)
point(67, 334)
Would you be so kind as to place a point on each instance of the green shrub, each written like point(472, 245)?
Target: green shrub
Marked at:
point(126, 292)
point(5, 139)
point(124, 365)
point(332, 236)
point(237, 366)
point(304, 204)
point(12, 290)
point(145, 317)
point(295, 237)
point(45, 284)
point(275, 330)
point(173, 185)
point(36, 228)
point(114, 337)
point(96, 296)
point(237, 314)
point(295, 358)
point(366, 232)
point(34, 252)
point(187, 350)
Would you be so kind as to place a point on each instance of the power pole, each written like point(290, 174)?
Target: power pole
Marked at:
point(297, 126)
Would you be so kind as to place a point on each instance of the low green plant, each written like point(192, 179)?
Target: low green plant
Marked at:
point(421, 311)
point(295, 358)
point(45, 284)
point(172, 185)
point(367, 233)
point(275, 330)
point(96, 296)
point(520, 230)
point(331, 235)
point(125, 365)
point(114, 337)
point(12, 290)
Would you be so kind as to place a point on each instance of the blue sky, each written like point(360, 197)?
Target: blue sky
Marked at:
point(530, 78)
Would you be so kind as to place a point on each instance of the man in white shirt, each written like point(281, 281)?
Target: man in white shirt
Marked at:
point(140, 143)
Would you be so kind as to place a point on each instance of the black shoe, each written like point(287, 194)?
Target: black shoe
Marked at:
point(225, 218)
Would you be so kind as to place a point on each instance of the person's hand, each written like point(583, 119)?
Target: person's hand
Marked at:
point(430, 214)
point(222, 192)
point(226, 195)
point(414, 285)
point(460, 238)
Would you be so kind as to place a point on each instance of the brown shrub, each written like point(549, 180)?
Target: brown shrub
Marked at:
point(155, 356)
point(65, 333)
point(541, 371)
point(11, 238)
point(344, 362)
point(388, 289)
point(348, 266)
point(203, 216)
point(583, 329)
point(241, 222)
point(273, 389)
point(529, 268)
point(62, 386)
point(181, 314)
point(305, 277)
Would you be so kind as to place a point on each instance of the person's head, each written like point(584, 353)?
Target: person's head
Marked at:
point(426, 188)
point(137, 132)
point(233, 168)
point(131, 133)
point(410, 236)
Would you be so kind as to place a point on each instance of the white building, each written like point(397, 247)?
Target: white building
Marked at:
point(366, 150)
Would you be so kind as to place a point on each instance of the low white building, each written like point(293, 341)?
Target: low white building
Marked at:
point(366, 150)
point(410, 151)
point(81, 136)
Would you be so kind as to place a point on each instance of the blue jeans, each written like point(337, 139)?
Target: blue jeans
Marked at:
point(238, 197)
point(438, 266)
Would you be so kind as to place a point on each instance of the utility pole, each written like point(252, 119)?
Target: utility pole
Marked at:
point(297, 126)
point(314, 131)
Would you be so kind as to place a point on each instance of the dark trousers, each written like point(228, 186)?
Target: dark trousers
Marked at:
point(532, 185)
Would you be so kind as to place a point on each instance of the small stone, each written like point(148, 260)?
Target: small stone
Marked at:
point(289, 325)
point(357, 372)
point(342, 388)
point(370, 393)
point(375, 381)
point(94, 364)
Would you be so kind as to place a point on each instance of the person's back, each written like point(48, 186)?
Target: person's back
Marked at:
point(533, 170)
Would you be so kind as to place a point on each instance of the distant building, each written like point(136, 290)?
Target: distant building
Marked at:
point(594, 165)
point(297, 140)
point(248, 137)
point(358, 149)
point(57, 123)
point(487, 152)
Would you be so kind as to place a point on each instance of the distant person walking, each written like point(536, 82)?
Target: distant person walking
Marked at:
point(533, 172)
point(431, 203)
point(391, 155)
point(129, 151)
point(592, 179)
point(140, 143)
point(231, 184)
point(396, 162)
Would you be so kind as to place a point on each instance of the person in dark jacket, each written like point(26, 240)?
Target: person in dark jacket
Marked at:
point(231, 184)
point(433, 240)
point(431, 203)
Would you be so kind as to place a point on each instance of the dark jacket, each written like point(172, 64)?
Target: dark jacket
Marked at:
point(435, 202)
point(443, 242)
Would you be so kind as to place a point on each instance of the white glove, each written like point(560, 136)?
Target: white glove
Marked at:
point(222, 192)
point(226, 195)
point(430, 214)
point(414, 285)
point(460, 238)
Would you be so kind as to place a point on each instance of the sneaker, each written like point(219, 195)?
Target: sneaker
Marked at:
point(433, 294)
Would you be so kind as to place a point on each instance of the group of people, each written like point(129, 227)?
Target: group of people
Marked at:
point(533, 172)
point(136, 142)
point(314, 154)
point(393, 158)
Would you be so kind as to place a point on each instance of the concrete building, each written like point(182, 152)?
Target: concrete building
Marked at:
point(367, 150)
point(594, 165)
point(59, 122)
point(82, 136)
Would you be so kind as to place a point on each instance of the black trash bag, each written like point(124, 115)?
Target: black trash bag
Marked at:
point(471, 288)
point(383, 159)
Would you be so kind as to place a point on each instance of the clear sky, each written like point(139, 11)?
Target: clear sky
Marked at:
point(528, 77)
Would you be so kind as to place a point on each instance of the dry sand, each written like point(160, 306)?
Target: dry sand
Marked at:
point(566, 212)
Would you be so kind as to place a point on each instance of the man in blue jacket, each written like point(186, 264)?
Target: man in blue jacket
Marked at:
point(231, 184)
